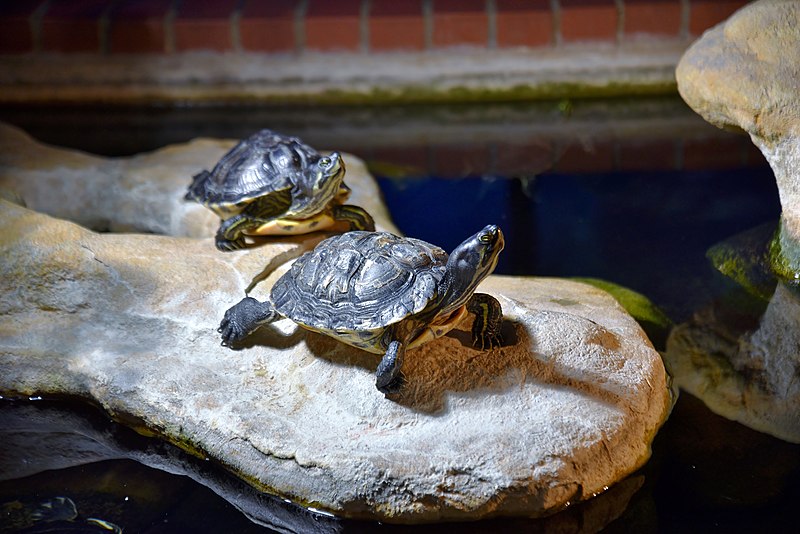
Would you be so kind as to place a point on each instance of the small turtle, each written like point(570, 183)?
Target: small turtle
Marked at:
point(381, 293)
point(271, 184)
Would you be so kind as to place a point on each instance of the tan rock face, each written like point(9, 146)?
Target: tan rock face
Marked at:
point(746, 73)
point(566, 407)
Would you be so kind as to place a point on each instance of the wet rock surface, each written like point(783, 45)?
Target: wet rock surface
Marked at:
point(568, 406)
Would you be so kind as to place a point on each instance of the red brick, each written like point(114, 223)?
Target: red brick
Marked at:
point(268, 26)
point(703, 14)
point(462, 160)
point(592, 158)
point(460, 22)
point(138, 26)
point(656, 17)
point(647, 155)
point(73, 26)
point(333, 25)
point(15, 26)
point(715, 153)
point(204, 25)
point(588, 20)
point(524, 23)
point(528, 158)
point(396, 25)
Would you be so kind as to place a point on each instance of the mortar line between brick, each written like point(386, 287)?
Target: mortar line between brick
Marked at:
point(620, 33)
point(427, 20)
point(35, 22)
point(170, 45)
point(685, 16)
point(363, 25)
point(236, 34)
point(300, 26)
point(104, 28)
point(491, 21)
point(555, 8)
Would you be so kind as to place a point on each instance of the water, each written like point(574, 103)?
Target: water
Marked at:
point(642, 216)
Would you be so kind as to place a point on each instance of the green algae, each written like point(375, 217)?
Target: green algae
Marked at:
point(745, 259)
point(655, 323)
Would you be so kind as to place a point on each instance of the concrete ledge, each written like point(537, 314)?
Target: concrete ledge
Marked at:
point(597, 70)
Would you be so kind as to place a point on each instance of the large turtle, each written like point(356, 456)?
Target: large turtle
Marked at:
point(381, 293)
point(272, 184)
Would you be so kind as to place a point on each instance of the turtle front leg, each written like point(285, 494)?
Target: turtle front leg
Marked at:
point(230, 235)
point(388, 378)
point(488, 320)
point(356, 217)
point(243, 319)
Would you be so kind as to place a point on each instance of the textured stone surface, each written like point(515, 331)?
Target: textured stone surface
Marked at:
point(567, 407)
point(745, 73)
point(142, 193)
point(751, 377)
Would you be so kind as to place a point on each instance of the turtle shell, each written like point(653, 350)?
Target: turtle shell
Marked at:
point(358, 282)
point(259, 165)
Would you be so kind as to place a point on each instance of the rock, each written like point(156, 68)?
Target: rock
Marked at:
point(745, 73)
point(749, 376)
point(565, 409)
point(142, 193)
point(42, 435)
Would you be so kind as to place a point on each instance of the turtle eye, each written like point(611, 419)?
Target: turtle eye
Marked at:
point(325, 161)
point(485, 238)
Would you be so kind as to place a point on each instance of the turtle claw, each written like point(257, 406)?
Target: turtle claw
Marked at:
point(392, 387)
point(229, 245)
point(486, 340)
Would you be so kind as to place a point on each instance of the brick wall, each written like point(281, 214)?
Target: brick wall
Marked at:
point(362, 26)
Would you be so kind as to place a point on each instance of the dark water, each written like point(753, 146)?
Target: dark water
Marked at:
point(646, 228)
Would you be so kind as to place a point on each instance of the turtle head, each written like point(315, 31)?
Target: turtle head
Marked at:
point(471, 262)
point(329, 172)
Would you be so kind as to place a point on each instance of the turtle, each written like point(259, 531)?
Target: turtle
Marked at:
point(273, 184)
point(381, 293)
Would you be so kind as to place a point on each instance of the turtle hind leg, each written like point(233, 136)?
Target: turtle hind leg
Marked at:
point(356, 217)
point(488, 320)
point(243, 319)
point(388, 378)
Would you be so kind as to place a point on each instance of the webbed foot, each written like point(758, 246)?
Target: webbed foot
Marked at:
point(243, 319)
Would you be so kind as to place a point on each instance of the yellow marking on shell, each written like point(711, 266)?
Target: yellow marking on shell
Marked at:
point(438, 329)
point(322, 221)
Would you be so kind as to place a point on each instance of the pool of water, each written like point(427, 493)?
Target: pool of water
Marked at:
point(589, 189)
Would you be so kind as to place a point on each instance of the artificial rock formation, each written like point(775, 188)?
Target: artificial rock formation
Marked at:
point(745, 73)
point(565, 408)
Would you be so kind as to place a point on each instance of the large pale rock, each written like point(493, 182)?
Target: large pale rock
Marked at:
point(142, 193)
point(745, 73)
point(566, 408)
